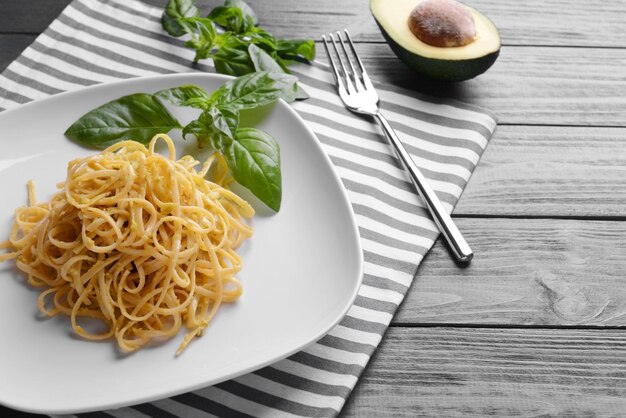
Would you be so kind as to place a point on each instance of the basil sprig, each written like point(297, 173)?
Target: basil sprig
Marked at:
point(241, 46)
point(138, 116)
point(252, 155)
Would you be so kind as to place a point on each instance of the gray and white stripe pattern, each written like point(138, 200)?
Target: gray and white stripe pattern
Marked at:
point(96, 41)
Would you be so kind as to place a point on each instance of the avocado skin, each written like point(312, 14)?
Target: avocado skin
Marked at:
point(442, 70)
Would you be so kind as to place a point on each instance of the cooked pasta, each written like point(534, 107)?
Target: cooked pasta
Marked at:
point(134, 240)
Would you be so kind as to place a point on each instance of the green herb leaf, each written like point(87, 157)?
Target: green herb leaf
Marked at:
point(231, 18)
point(264, 62)
point(254, 161)
point(262, 38)
point(138, 117)
point(203, 35)
point(187, 95)
point(246, 10)
point(225, 124)
point(232, 62)
point(174, 14)
point(256, 89)
point(229, 49)
point(215, 126)
point(296, 48)
point(232, 56)
point(198, 128)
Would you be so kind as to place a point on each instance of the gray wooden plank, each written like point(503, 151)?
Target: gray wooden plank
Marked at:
point(29, 17)
point(547, 86)
point(552, 86)
point(549, 171)
point(592, 23)
point(523, 23)
point(529, 22)
point(11, 46)
point(456, 372)
point(302, 19)
point(524, 272)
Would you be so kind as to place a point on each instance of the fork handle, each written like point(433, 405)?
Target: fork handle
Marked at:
point(451, 233)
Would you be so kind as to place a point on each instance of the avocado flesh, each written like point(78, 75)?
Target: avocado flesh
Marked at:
point(440, 63)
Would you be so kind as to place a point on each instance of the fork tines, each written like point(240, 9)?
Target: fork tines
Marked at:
point(346, 76)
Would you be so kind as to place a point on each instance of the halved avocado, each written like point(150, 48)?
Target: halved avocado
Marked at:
point(447, 63)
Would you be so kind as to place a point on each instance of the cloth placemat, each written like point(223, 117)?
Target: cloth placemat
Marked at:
point(96, 41)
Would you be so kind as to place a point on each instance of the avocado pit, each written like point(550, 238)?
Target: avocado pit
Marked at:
point(442, 23)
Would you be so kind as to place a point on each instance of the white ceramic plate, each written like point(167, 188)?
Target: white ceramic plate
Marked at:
point(302, 269)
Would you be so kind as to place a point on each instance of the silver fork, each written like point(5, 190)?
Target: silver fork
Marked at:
point(359, 96)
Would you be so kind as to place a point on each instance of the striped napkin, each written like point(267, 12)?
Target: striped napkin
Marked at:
point(96, 41)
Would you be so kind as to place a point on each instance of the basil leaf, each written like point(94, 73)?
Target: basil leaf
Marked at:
point(215, 126)
point(232, 62)
point(187, 95)
point(253, 90)
point(203, 35)
point(229, 49)
point(225, 124)
point(254, 161)
point(294, 48)
point(264, 62)
point(232, 56)
point(246, 10)
point(197, 127)
point(231, 65)
point(262, 38)
point(221, 14)
point(231, 18)
point(235, 64)
point(138, 117)
point(175, 11)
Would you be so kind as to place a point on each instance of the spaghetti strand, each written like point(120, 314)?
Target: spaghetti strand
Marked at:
point(138, 242)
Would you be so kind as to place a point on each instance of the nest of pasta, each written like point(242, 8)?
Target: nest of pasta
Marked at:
point(141, 242)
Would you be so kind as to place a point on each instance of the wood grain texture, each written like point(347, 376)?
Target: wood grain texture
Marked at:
point(524, 272)
point(11, 46)
point(457, 372)
point(546, 86)
point(592, 23)
point(575, 26)
point(549, 171)
point(533, 22)
point(29, 17)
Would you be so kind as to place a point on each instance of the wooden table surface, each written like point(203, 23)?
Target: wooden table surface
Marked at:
point(534, 325)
